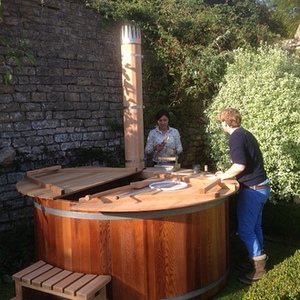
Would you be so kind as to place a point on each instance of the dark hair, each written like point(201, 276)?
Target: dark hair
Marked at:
point(160, 113)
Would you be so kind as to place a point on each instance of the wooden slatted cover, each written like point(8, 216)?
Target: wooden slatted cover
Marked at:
point(55, 181)
point(29, 277)
point(49, 283)
point(20, 274)
point(60, 286)
point(93, 286)
point(78, 284)
point(200, 190)
point(43, 277)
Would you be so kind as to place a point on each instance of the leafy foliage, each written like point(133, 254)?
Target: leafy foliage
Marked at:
point(282, 221)
point(286, 12)
point(265, 86)
point(186, 42)
point(17, 50)
point(186, 45)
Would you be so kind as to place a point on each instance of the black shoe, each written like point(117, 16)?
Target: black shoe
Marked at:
point(245, 266)
point(244, 279)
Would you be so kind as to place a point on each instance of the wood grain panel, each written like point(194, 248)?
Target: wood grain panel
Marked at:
point(151, 258)
point(128, 252)
point(148, 259)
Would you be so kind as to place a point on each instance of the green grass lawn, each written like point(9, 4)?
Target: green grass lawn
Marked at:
point(6, 290)
point(234, 289)
point(276, 251)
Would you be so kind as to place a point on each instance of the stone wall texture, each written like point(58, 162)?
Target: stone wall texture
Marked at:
point(65, 99)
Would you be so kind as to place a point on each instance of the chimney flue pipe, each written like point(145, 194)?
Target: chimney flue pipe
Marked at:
point(132, 96)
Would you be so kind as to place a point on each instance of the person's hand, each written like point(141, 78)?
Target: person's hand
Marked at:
point(158, 147)
point(219, 173)
point(171, 151)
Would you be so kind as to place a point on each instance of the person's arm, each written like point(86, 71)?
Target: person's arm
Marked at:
point(234, 170)
point(150, 143)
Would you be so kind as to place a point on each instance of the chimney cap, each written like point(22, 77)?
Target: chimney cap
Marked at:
point(131, 34)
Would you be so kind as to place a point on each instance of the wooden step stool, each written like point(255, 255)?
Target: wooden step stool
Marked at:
point(66, 284)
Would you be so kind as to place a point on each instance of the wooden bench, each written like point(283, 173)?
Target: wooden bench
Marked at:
point(48, 279)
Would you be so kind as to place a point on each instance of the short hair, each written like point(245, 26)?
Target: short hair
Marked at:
point(160, 113)
point(231, 116)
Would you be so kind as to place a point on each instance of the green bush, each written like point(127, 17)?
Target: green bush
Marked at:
point(265, 87)
point(280, 283)
point(281, 222)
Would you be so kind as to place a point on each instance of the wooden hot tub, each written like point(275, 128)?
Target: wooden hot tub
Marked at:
point(156, 244)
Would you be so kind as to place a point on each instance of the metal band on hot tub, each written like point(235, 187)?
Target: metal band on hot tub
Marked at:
point(128, 215)
point(201, 291)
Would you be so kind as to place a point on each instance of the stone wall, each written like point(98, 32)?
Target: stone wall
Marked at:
point(66, 99)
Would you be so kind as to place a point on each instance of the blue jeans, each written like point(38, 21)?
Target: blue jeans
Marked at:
point(249, 214)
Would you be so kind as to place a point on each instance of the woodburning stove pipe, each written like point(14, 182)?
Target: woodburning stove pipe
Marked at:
point(132, 96)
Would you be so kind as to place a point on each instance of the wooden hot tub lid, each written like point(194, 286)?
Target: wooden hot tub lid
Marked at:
point(55, 181)
point(201, 190)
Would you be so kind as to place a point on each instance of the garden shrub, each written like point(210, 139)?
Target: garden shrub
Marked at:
point(280, 283)
point(264, 85)
point(281, 222)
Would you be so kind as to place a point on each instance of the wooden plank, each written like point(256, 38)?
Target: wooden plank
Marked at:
point(35, 180)
point(107, 192)
point(102, 179)
point(145, 202)
point(75, 286)
point(39, 183)
point(29, 277)
point(42, 290)
point(53, 188)
point(65, 243)
point(126, 188)
point(93, 286)
point(83, 246)
point(60, 286)
point(207, 187)
point(43, 170)
point(86, 180)
point(40, 279)
point(20, 274)
point(197, 180)
point(230, 186)
point(130, 248)
point(101, 169)
point(49, 283)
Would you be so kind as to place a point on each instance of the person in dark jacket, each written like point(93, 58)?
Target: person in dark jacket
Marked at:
point(248, 169)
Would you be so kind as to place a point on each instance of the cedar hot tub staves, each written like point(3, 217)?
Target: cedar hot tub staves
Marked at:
point(155, 244)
